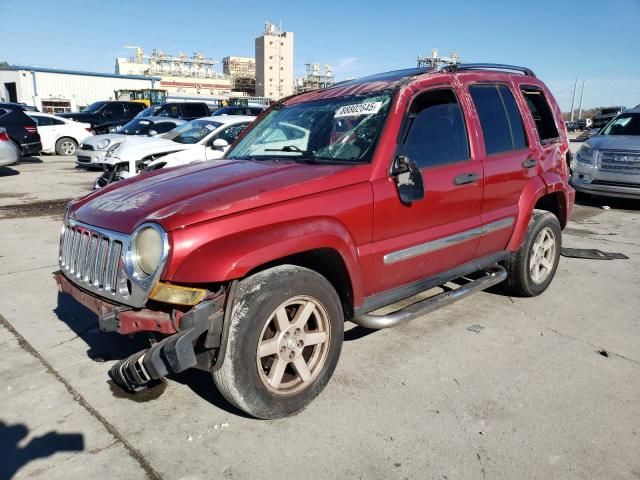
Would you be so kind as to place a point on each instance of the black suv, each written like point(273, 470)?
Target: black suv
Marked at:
point(22, 130)
point(105, 117)
point(183, 110)
point(605, 115)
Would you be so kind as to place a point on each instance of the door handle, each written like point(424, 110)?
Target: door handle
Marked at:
point(466, 178)
point(530, 162)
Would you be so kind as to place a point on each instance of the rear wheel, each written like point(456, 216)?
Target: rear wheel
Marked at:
point(533, 266)
point(66, 146)
point(285, 339)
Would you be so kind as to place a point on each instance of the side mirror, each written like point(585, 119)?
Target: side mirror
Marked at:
point(152, 133)
point(220, 143)
point(408, 179)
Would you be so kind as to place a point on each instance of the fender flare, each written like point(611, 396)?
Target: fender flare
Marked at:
point(533, 191)
point(236, 255)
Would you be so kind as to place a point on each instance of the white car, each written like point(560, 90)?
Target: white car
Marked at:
point(60, 135)
point(9, 153)
point(93, 150)
point(196, 141)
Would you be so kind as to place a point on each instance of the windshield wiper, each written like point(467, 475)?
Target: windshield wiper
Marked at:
point(291, 148)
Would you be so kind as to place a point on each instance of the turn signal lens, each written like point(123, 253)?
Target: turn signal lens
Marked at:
point(175, 294)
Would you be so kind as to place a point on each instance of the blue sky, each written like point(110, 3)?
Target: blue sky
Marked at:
point(560, 40)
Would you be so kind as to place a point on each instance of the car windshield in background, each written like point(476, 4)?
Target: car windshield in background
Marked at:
point(148, 112)
point(625, 124)
point(609, 111)
point(94, 107)
point(341, 129)
point(192, 132)
point(137, 126)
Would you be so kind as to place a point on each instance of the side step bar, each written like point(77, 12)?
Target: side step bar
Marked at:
point(493, 275)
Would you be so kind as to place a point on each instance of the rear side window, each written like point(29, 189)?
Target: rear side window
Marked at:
point(193, 110)
point(42, 121)
point(56, 121)
point(135, 107)
point(502, 127)
point(436, 134)
point(541, 113)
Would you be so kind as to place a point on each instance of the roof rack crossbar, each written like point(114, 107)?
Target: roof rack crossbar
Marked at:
point(487, 66)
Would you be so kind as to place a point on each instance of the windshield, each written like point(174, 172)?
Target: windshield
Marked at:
point(625, 124)
point(342, 129)
point(148, 112)
point(192, 132)
point(94, 107)
point(137, 126)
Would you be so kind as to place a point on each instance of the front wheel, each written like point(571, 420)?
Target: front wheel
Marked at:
point(531, 269)
point(285, 339)
point(66, 146)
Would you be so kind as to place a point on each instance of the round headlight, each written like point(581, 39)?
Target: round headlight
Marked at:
point(148, 247)
point(103, 144)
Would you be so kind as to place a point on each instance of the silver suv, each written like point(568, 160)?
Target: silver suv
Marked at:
point(609, 162)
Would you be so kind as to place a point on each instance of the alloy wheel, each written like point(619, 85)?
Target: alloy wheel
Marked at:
point(543, 255)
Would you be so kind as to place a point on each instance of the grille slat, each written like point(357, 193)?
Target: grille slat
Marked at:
point(620, 162)
point(91, 258)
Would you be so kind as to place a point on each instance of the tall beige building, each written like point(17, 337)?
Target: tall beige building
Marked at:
point(274, 63)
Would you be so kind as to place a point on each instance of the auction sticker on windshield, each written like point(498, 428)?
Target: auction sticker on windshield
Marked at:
point(358, 109)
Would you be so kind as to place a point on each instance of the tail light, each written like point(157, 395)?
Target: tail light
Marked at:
point(31, 129)
point(4, 137)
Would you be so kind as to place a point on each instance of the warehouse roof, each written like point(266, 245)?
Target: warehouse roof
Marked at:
point(77, 72)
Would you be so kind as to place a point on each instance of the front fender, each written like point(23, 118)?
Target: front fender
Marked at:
point(234, 255)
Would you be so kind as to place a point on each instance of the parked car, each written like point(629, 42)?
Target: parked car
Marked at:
point(604, 116)
point(183, 110)
point(239, 110)
point(60, 135)
point(20, 106)
point(106, 116)
point(9, 152)
point(196, 141)
point(94, 149)
point(388, 186)
point(571, 126)
point(22, 129)
point(609, 162)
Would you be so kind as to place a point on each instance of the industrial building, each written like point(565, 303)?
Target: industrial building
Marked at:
point(242, 72)
point(181, 75)
point(315, 78)
point(56, 90)
point(274, 63)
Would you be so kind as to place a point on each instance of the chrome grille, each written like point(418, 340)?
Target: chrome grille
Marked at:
point(90, 258)
point(620, 162)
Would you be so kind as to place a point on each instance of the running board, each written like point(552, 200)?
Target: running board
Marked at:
point(493, 275)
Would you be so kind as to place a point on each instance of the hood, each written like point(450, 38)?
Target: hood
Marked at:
point(182, 196)
point(135, 148)
point(96, 139)
point(614, 142)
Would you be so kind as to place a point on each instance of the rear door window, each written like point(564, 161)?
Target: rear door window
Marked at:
point(41, 120)
point(437, 134)
point(502, 127)
point(541, 113)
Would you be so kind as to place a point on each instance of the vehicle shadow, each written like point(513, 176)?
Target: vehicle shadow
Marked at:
point(201, 383)
point(29, 160)
point(84, 323)
point(357, 332)
point(612, 202)
point(8, 172)
point(13, 456)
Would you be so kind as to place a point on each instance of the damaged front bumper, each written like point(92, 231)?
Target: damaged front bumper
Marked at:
point(195, 339)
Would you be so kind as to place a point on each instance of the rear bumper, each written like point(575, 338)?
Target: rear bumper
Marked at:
point(33, 148)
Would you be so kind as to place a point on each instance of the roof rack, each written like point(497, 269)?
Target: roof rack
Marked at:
point(487, 66)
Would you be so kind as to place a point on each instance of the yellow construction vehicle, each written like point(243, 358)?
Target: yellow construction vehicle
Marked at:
point(148, 96)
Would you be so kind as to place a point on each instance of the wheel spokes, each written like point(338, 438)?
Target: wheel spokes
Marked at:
point(301, 368)
point(277, 372)
point(315, 338)
point(282, 319)
point(268, 347)
point(303, 314)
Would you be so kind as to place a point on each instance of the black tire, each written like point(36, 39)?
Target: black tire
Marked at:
point(66, 146)
point(520, 280)
point(241, 378)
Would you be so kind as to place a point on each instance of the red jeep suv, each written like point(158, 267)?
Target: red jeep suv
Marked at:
point(331, 205)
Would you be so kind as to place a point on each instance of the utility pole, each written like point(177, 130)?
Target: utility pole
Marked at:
point(581, 95)
point(573, 100)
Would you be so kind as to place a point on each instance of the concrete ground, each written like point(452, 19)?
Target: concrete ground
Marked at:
point(540, 388)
